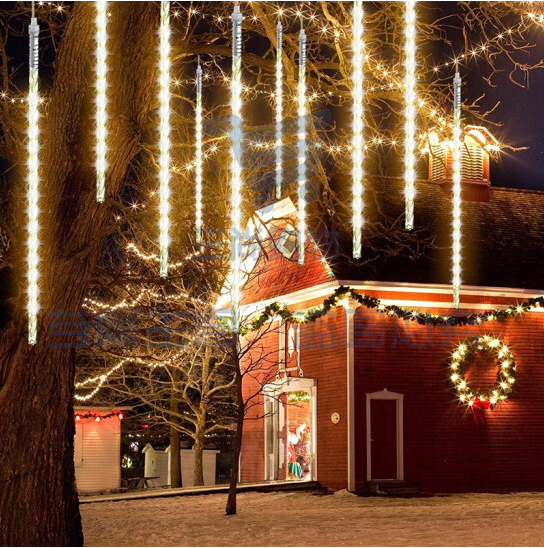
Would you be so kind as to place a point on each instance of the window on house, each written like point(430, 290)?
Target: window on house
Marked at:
point(288, 241)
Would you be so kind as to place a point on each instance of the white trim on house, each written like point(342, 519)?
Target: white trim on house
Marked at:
point(399, 398)
point(350, 306)
point(324, 290)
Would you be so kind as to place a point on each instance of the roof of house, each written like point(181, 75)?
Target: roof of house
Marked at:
point(502, 243)
point(502, 239)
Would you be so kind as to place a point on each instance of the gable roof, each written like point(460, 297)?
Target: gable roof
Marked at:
point(502, 238)
point(502, 243)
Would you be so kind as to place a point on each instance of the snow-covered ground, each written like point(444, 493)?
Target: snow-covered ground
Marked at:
point(311, 519)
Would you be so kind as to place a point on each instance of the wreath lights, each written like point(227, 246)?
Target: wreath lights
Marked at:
point(506, 374)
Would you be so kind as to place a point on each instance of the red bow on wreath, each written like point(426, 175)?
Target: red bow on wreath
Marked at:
point(480, 407)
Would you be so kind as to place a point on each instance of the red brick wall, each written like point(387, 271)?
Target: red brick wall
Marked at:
point(444, 449)
point(323, 357)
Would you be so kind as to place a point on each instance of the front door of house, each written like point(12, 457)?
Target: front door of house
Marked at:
point(383, 439)
point(290, 431)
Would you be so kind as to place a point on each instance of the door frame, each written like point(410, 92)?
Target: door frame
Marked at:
point(399, 398)
point(291, 384)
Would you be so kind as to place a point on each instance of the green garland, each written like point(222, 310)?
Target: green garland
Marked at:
point(422, 318)
point(296, 397)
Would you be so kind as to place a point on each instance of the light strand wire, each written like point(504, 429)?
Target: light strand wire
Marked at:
point(357, 139)
point(456, 194)
point(236, 167)
point(164, 136)
point(409, 111)
point(33, 180)
point(302, 146)
point(101, 68)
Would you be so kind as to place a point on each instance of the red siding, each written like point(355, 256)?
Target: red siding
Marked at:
point(323, 357)
point(274, 275)
point(444, 449)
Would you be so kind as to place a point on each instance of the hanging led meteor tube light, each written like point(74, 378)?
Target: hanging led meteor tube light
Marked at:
point(279, 109)
point(101, 68)
point(357, 139)
point(456, 196)
point(410, 111)
point(302, 148)
point(235, 166)
point(164, 136)
point(198, 159)
point(33, 180)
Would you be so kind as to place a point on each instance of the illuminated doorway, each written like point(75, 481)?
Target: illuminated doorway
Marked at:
point(290, 431)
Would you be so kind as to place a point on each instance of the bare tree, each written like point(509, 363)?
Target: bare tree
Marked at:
point(158, 346)
point(36, 383)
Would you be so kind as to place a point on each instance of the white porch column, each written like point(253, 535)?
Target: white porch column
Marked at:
point(350, 306)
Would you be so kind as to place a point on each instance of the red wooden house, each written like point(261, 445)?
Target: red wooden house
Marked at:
point(363, 396)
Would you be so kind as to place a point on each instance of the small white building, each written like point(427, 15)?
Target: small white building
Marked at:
point(97, 449)
point(157, 464)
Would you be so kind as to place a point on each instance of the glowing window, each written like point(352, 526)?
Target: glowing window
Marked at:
point(287, 242)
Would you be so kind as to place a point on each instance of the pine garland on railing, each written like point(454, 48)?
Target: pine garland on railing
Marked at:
point(422, 318)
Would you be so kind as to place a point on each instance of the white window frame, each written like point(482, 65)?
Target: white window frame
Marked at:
point(288, 231)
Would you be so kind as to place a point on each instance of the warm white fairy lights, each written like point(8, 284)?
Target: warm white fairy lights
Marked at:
point(279, 109)
point(456, 195)
point(164, 136)
point(357, 139)
point(235, 167)
point(302, 147)
point(33, 144)
point(101, 68)
point(198, 155)
point(506, 374)
point(409, 110)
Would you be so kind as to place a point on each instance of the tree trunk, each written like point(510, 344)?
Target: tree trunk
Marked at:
point(175, 455)
point(175, 458)
point(38, 500)
point(198, 453)
point(239, 405)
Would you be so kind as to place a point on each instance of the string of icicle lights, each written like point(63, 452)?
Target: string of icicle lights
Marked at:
point(198, 155)
point(235, 166)
point(101, 68)
point(279, 108)
point(302, 148)
point(33, 226)
point(164, 136)
point(357, 140)
point(409, 110)
point(456, 195)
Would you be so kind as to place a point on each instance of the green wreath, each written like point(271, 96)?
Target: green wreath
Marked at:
point(506, 374)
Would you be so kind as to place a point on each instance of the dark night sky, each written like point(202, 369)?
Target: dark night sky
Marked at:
point(521, 111)
point(522, 114)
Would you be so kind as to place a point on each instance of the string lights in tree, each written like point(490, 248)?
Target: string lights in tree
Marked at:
point(302, 147)
point(235, 166)
point(101, 68)
point(33, 180)
point(456, 195)
point(409, 111)
point(198, 154)
point(279, 109)
point(357, 140)
point(164, 136)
